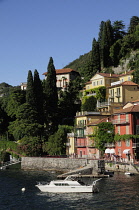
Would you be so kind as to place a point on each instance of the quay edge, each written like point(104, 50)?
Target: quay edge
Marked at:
point(84, 166)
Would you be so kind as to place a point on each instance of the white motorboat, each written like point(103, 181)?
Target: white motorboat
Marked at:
point(129, 173)
point(68, 185)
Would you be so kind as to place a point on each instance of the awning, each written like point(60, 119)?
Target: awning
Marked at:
point(126, 151)
point(107, 150)
point(112, 151)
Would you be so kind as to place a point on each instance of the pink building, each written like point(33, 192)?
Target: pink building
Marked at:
point(126, 121)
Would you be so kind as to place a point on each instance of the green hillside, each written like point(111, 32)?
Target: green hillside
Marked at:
point(113, 45)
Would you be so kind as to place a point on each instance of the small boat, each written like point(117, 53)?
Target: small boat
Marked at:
point(129, 173)
point(68, 185)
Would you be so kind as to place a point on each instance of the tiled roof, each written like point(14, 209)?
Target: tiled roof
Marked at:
point(100, 121)
point(134, 108)
point(126, 83)
point(89, 82)
point(129, 83)
point(62, 71)
point(127, 73)
point(108, 75)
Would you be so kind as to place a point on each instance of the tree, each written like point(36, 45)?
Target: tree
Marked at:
point(50, 99)
point(88, 103)
point(96, 57)
point(30, 146)
point(106, 43)
point(30, 96)
point(15, 99)
point(115, 52)
point(118, 30)
point(56, 144)
point(104, 134)
point(38, 92)
point(134, 21)
point(69, 102)
point(26, 123)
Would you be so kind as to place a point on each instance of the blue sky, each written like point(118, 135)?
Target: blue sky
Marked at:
point(32, 31)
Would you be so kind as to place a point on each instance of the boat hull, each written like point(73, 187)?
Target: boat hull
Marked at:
point(67, 189)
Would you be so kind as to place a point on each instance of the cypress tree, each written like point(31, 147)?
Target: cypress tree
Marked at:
point(38, 91)
point(134, 21)
point(51, 99)
point(106, 43)
point(95, 57)
point(30, 96)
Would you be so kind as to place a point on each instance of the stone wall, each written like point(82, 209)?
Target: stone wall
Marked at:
point(64, 164)
point(121, 167)
point(51, 163)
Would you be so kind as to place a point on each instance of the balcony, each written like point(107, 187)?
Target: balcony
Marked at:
point(120, 121)
point(86, 113)
point(117, 95)
point(81, 144)
point(81, 125)
point(135, 145)
point(110, 145)
point(111, 96)
point(103, 104)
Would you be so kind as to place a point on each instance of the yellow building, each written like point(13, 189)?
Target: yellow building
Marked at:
point(71, 148)
point(119, 94)
point(127, 76)
point(99, 80)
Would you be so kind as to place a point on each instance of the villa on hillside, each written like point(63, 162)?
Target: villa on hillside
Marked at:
point(63, 77)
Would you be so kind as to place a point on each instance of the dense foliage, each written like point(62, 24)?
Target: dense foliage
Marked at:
point(113, 44)
point(104, 134)
point(30, 118)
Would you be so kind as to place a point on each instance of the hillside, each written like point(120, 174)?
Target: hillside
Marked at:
point(116, 50)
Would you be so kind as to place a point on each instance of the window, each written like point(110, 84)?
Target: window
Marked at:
point(137, 129)
point(101, 82)
point(129, 78)
point(119, 151)
point(118, 91)
point(97, 82)
point(118, 129)
point(127, 129)
point(128, 143)
point(127, 117)
point(94, 83)
point(119, 143)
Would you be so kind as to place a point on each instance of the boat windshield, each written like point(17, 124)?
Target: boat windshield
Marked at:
point(81, 182)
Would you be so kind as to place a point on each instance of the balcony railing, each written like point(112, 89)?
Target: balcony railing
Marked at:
point(120, 121)
point(103, 104)
point(81, 144)
point(109, 145)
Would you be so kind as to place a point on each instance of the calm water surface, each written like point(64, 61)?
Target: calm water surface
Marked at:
point(117, 192)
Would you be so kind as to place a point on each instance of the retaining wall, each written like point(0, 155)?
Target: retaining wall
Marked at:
point(66, 164)
point(121, 167)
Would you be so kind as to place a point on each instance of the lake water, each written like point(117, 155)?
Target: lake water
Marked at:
point(117, 192)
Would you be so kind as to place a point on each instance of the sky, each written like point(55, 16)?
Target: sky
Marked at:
point(32, 31)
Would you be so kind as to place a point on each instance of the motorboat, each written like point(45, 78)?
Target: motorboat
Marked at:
point(129, 173)
point(68, 185)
